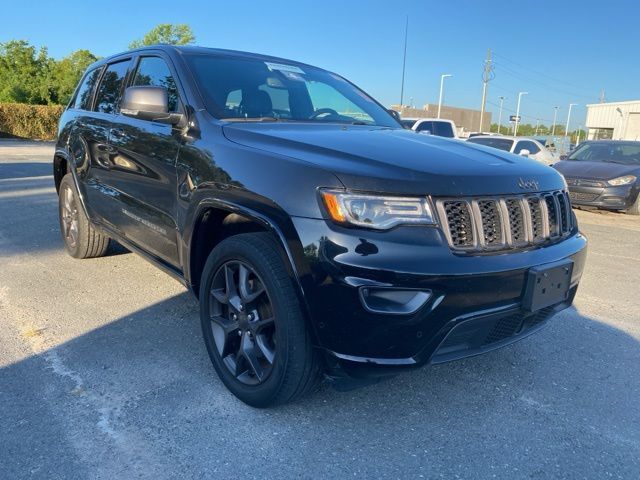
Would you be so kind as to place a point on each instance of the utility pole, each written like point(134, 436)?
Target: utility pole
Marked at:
point(555, 116)
point(404, 61)
point(566, 130)
point(487, 76)
point(442, 77)
point(537, 125)
point(500, 115)
point(515, 128)
point(578, 136)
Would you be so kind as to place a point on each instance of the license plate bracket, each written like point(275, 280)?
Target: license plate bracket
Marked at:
point(547, 285)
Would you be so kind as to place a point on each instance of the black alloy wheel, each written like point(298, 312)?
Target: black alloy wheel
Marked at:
point(243, 323)
point(252, 322)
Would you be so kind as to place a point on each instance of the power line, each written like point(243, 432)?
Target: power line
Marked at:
point(537, 72)
point(517, 75)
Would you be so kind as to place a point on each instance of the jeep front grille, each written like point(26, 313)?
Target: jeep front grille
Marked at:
point(506, 222)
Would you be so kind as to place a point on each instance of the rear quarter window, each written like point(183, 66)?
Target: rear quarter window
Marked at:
point(84, 94)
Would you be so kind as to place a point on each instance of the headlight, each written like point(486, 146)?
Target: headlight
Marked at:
point(379, 212)
point(626, 180)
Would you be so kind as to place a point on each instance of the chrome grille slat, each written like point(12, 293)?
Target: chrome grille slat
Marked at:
point(501, 223)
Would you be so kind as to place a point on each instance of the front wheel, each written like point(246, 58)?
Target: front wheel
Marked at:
point(635, 208)
point(252, 323)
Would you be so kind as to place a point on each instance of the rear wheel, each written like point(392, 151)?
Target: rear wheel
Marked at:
point(81, 239)
point(252, 323)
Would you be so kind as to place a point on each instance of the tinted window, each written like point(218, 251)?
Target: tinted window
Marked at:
point(443, 129)
point(83, 97)
point(527, 145)
point(408, 123)
point(288, 92)
point(111, 87)
point(615, 152)
point(155, 72)
point(500, 143)
point(424, 126)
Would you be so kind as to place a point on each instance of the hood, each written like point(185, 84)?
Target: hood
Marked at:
point(396, 160)
point(595, 170)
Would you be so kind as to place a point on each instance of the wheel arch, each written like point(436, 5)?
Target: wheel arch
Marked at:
point(215, 220)
point(60, 167)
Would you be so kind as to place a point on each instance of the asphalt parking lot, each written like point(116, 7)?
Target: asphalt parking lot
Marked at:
point(103, 374)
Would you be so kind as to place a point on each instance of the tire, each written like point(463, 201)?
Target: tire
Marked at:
point(635, 208)
point(284, 364)
point(81, 239)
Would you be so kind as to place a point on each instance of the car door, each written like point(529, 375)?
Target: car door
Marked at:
point(102, 199)
point(142, 167)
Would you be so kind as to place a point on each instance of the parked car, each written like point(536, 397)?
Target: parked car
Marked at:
point(432, 126)
point(527, 147)
point(604, 174)
point(318, 235)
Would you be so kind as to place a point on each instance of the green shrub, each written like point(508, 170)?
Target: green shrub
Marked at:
point(30, 121)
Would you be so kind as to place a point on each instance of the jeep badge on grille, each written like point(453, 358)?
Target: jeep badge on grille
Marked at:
point(528, 184)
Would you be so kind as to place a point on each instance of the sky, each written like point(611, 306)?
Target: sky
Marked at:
point(560, 52)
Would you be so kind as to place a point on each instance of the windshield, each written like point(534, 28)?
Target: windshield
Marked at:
point(627, 153)
point(500, 143)
point(249, 89)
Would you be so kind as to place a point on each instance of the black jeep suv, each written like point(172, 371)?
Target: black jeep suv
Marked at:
point(319, 235)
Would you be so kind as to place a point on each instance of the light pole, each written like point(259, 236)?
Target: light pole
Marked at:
point(566, 130)
point(500, 115)
point(442, 77)
point(515, 128)
point(555, 116)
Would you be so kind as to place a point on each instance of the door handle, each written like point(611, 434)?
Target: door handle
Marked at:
point(116, 132)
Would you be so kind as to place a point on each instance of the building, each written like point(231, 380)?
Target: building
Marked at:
point(466, 120)
point(615, 120)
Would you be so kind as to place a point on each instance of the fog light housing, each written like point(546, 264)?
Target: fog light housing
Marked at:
point(393, 301)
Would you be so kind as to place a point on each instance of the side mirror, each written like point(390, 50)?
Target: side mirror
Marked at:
point(524, 152)
point(149, 103)
point(563, 157)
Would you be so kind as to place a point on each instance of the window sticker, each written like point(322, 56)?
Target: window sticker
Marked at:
point(293, 76)
point(281, 67)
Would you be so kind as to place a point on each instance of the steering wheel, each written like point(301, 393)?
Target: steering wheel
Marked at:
point(324, 111)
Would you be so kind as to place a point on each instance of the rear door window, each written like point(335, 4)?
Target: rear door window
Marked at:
point(110, 89)
point(83, 97)
point(443, 129)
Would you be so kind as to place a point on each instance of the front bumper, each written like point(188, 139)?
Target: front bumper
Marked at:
point(615, 198)
point(475, 302)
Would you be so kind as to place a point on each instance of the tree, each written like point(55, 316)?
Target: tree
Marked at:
point(25, 73)
point(67, 73)
point(166, 33)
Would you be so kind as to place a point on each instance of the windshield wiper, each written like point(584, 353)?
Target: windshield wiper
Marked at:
point(254, 119)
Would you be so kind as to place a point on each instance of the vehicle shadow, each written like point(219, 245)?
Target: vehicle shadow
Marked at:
point(19, 170)
point(35, 228)
point(145, 379)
